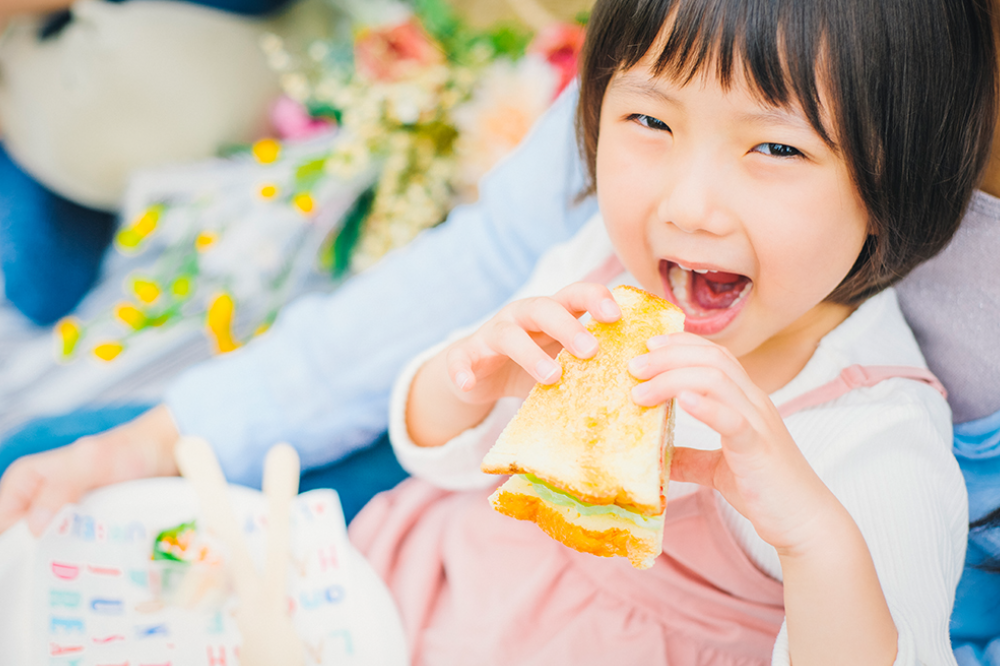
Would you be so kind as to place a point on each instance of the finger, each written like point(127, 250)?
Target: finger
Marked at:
point(459, 367)
point(694, 466)
point(459, 361)
point(18, 488)
point(553, 320)
point(49, 499)
point(707, 381)
point(688, 350)
point(718, 416)
point(512, 341)
point(590, 297)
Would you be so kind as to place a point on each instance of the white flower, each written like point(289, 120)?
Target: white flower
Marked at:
point(349, 158)
point(319, 50)
point(296, 86)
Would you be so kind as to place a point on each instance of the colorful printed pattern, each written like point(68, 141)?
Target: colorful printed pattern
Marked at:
point(226, 243)
point(100, 597)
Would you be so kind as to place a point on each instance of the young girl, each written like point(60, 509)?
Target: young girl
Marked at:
point(772, 170)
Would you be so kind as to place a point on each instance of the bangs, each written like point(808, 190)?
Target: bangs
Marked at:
point(904, 91)
point(776, 43)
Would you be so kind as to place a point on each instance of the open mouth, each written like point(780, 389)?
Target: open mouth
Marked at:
point(710, 299)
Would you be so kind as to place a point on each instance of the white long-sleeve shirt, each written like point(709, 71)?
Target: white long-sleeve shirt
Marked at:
point(884, 451)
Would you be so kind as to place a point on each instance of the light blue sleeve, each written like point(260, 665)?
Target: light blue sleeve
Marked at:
point(971, 654)
point(320, 378)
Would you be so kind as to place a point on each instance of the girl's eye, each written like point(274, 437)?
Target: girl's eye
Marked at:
point(649, 121)
point(777, 150)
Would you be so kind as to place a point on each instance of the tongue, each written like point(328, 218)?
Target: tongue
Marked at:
point(715, 291)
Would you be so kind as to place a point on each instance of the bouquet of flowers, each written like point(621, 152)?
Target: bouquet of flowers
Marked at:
point(379, 135)
point(433, 103)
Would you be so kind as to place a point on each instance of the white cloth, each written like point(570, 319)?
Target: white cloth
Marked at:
point(884, 451)
point(130, 86)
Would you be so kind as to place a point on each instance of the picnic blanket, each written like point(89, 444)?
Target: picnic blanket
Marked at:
point(260, 250)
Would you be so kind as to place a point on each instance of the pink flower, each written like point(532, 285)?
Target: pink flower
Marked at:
point(507, 101)
point(291, 120)
point(560, 45)
point(395, 52)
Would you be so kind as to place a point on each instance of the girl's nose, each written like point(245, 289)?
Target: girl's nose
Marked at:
point(691, 199)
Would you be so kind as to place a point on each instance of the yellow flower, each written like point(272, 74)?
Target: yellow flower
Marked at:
point(268, 191)
point(130, 315)
point(181, 287)
point(108, 351)
point(267, 151)
point(147, 291)
point(205, 240)
point(304, 203)
point(132, 236)
point(219, 321)
point(68, 334)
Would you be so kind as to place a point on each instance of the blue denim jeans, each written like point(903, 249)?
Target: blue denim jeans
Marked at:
point(356, 478)
point(250, 7)
point(50, 247)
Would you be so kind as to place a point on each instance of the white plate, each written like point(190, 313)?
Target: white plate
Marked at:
point(83, 591)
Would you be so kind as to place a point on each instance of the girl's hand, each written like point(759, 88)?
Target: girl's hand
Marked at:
point(515, 348)
point(35, 487)
point(759, 469)
point(457, 388)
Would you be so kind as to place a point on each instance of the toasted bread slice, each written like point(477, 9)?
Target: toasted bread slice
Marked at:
point(584, 435)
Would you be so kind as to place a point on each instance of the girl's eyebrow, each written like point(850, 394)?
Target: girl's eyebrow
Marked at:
point(635, 85)
point(629, 83)
point(776, 117)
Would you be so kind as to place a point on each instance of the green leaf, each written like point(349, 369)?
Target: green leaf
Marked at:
point(350, 231)
point(510, 40)
point(173, 534)
point(324, 110)
point(234, 149)
point(438, 19)
point(310, 173)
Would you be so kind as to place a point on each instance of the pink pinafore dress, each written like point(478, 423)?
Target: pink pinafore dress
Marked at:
point(476, 588)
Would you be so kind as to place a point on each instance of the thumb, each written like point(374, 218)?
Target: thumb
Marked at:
point(17, 492)
point(695, 466)
point(49, 499)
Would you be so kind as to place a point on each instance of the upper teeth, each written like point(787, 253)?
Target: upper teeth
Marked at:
point(696, 270)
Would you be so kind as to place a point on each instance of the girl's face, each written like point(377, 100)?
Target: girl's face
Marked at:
point(736, 211)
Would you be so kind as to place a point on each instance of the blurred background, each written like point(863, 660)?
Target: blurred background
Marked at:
point(173, 172)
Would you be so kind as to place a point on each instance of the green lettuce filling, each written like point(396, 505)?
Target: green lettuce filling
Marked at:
point(559, 498)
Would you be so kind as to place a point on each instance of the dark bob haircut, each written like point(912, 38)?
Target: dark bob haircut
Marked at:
point(911, 86)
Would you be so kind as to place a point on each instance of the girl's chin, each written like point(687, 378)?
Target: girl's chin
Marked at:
point(700, 320)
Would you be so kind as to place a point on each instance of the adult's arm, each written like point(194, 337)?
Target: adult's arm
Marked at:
point(320, 379)
point(13, 7)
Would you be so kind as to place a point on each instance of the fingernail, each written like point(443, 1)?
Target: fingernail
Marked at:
point(547, 370)
point(584, 343)
point(638, 363)
point(688, 399)
point(609, 309)
point(38, 520)
point(462, 380)
point(656, 342)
